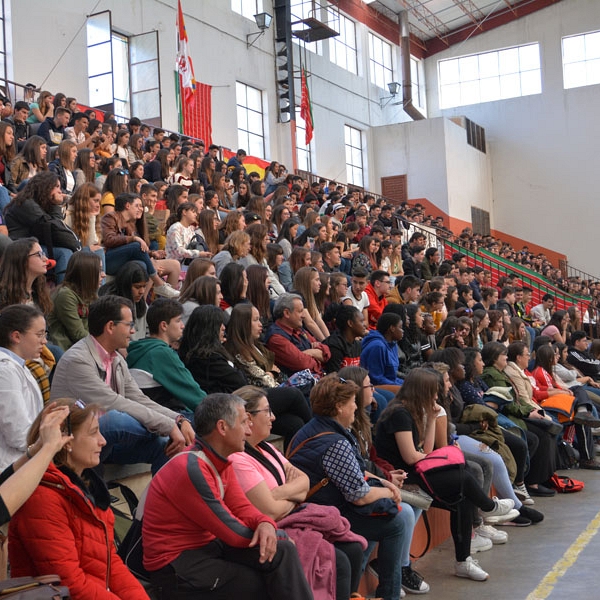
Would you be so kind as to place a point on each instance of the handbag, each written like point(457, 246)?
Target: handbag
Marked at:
point(566, 485)
point(412, 494)
point(441, 459)
point(44, 587)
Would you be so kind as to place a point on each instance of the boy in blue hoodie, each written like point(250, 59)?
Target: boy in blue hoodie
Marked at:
point(379, 354)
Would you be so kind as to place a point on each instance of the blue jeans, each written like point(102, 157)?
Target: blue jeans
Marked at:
point(117, 257)
point(394, 536)
point(4, 199)
point(61, 256)
point(128, 442)
point(100, 253)
point(383, 398)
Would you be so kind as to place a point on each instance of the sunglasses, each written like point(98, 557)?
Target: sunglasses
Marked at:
point(79, 404)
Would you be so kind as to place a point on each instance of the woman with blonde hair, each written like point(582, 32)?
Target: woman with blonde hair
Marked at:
point(307, 283)
point(42, 109)
point(135, 152)
point(236, 246)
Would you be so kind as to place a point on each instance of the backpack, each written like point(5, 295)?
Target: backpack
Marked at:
point(566, 485)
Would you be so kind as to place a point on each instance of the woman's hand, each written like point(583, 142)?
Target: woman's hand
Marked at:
point(396, 497)
point(51, 435)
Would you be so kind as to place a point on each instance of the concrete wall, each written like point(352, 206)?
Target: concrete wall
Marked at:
point(543, 148)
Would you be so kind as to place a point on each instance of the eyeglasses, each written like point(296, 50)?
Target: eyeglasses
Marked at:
point(130, 324)
point(42, 335)
point(122, 172)
point(265, 410)
point(370, 386)
point(39, 254)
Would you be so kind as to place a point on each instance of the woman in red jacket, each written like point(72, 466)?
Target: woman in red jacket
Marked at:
point(66, 527)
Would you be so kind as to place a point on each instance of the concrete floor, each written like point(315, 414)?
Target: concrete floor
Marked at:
point(525, 568)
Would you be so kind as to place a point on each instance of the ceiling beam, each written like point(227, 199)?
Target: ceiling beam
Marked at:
point(470, 10)
point(496, 19)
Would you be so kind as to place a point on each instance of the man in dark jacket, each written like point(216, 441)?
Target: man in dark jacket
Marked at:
point(580, 358)
point(53, 128)
point(344, 342)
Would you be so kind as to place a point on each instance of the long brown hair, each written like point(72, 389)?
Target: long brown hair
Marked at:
point(420, 387)
point(13, 277)
point(197, 268)
point(303, 285)
point(239, 338)
point(257, 233)
point(361, 428)
point(6, 152)
point(63, 153)
point(39, 189)
point(257, 291)
point(206, 222)
point(202, 290)
point(82, 162)
point(83, 274)
point(79, 206)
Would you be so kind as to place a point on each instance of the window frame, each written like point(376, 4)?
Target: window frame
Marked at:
point(380, 68)
point(339, 46)
point(237, 6)
point(591, 66)
point(245, 134)
point(351, 150)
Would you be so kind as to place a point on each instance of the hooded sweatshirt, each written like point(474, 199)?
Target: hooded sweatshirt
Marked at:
point(166, 380)
point(380, 358)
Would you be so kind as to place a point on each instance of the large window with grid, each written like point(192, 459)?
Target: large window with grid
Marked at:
point(306, 9)
point(496, 75)
point(250, 122)
point(380, 62)
point(581, 60)
point(354, 155)
point(342, 48)
point(247, 8)
point(303, 152)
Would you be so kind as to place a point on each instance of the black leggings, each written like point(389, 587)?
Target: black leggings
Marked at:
point(290, 409)
point(447, 486)
point(348, 564)
point(519, 450)
point(543, 462)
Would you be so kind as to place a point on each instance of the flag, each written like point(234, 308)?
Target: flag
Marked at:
point(185, 68)
point(306, 109)
point(251, 163)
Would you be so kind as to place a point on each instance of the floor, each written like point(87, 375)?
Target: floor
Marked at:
point(555, 559)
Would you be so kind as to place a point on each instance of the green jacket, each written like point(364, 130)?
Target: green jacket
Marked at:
point(68, 321)
point(516, 411)
point(164, 365)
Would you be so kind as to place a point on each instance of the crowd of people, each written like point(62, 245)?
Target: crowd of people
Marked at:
point(168, 307)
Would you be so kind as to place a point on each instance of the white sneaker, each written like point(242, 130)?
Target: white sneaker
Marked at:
point(470, 569)
point(503, 511)
point(480, 543)
point(488, 532)
point(402, 593)
point(166, 291)
point(523, 495)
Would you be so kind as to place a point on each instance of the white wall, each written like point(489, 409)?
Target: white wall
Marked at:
point(543, 148)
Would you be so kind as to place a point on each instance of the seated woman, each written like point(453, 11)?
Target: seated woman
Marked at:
point(557, 326)
point(64, 165)
point(36, 211)
point(328, 453)
point(204, 290)
point(22, 337)
point(405, 434)
point(379, 354)
point(307, 284)
point(256, 362)
point(573, 378)
point(236, 246)
point(276, 488)
point(66, 527)
point(21, 478)
point(67, 323)
point(182, 243)
point(574, 405)
point(234, 285)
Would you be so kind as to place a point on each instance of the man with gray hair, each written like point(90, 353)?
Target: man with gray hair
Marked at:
point(295, 349)
point(199, 530)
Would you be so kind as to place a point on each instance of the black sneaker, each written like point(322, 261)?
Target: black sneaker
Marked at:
point(413, 582)
point(519, 521)
point(373, 568)
point(586, 418)
point(535, 516)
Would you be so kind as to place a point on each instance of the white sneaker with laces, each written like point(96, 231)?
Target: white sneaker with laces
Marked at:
point(523, 495)
point(470, 569)
point(480, 543)
point(488, 532)
point(166, 291)
point(503, 511)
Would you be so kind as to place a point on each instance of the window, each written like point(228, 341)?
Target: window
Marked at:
point(305, 9)
point(123, 71)
point(303, 152)
point(251, 134)
point(247, 8)
point(416, 76)
point(380, 62)
point(354, 159)
point(581, 60)
point(342, 48)
point(490, 76)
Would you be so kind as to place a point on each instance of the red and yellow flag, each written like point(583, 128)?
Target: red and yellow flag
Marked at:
point(306, 109)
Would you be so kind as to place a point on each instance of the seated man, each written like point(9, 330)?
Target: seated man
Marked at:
point(412, 265)
point(379, 353)
point(406, 290)
point(377, 290)
point(200, 531)
point(295, 349)
point(581, 358)
point(77, 132)
point(541, 313)
point(465, 296)
point(93, 371)
point(356, 295)
point(157, 368)
point(20, 124)
point(123, 243)
point(53, 128)
point(331, 257)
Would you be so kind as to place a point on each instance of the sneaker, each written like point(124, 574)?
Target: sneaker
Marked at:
point(591, 464)
point(166, 291)
point(542, 491)
point(518, 521)
point(480, 543)
point(586, 418)
point(535, 516)
point(522, 494)
point(402, 593)
point(413, 582)
point(470, 569)
point(503, 511)
point(488, 532)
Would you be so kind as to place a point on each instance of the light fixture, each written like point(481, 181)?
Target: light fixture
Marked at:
point(263, 22)
point(394, 89)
